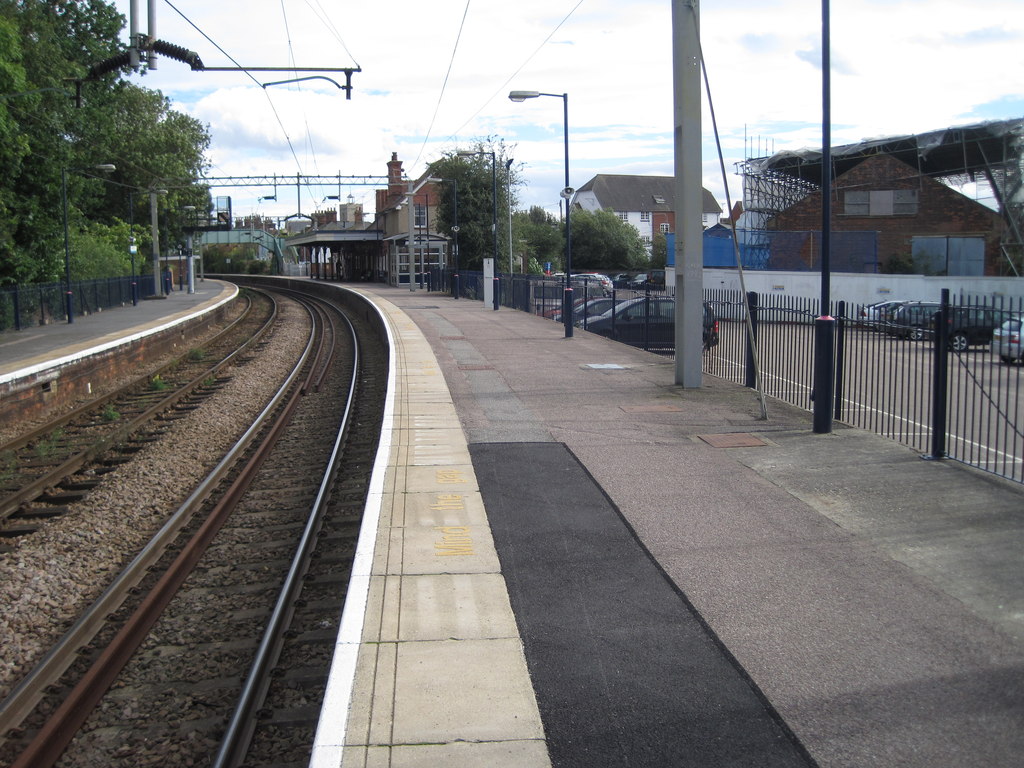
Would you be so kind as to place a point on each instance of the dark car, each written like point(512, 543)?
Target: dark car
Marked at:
point(912, 320)
point(584, 311)
point(973, 325)
point(649, 323)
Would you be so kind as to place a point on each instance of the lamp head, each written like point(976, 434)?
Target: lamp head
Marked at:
point(523, 95)
point(106, 167)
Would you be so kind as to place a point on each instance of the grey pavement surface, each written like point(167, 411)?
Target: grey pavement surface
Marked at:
point(873, 598)
point(21, 349)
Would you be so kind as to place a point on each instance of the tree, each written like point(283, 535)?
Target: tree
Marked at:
point(659, 251)
point(602, 241)
point(540, 238)
point(472, 178)
point(44, 45)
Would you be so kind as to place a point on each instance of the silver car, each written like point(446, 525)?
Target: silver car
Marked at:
point(1006, 341)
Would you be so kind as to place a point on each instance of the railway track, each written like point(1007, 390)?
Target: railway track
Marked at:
point(58, 463)
point(213, 646)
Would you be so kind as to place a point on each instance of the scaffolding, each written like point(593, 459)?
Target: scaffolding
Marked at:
point(987, 155)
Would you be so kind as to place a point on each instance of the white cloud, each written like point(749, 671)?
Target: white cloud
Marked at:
point(898, 66)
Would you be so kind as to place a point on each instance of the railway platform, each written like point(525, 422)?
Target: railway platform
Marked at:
point(571, 561)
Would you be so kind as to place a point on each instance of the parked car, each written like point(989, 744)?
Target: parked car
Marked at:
point(650, 321)
point(973, 325)
point(878, 313)
point(584, 311)
point(655, 280)
point(912, 320)
point(594, 278)
point(1008, 341)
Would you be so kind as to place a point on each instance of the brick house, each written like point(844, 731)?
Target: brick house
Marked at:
point(915, 217)
point(646, 202)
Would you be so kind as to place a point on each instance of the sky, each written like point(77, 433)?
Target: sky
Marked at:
point(435, 77)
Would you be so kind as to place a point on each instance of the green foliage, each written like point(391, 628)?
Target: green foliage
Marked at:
point(899, 264)
point(44, 46)
point(110, 413)
point(472, 180)
point(540, 237)
point(602, 241)
point(659, 251)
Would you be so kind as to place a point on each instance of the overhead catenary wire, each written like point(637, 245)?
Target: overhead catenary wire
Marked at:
point(270, 101)
point(444, 85)
point(454, 136)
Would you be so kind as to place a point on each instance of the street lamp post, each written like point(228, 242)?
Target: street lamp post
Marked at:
point(157, 290)
point(132, 248)
point(494, 217)
point(455, 231)
point(190, 266)
point(508, 183)
point(566, 194)
point(69, 303)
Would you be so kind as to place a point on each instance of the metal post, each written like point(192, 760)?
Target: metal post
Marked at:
point(824, 326)
point(567, 305)
point(494, 228)
point(750, 364)
point(68, 300)
point(157, 284)
point(132, 248)
point(940, 379)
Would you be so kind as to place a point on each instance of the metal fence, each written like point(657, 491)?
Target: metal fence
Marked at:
point(931, 382)
point(26, 306)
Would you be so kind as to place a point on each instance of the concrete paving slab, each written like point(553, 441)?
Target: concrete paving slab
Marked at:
point(450, 606)
point(463, 690)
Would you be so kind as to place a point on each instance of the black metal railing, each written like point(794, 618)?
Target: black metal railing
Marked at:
point(927, 379)
point(932, 383)
point(25, 306)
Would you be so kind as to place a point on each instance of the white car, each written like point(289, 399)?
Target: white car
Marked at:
point(1007, 341)
point(594, 278)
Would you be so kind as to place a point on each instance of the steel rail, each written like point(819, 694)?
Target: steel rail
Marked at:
point(238, 734)
point(79, 458)
point(24, 697)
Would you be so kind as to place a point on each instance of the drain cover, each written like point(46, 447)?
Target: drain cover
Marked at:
point(733, 440)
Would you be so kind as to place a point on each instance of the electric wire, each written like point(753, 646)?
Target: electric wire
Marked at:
point(444, 85)
point(270, 101)
point(454, 136)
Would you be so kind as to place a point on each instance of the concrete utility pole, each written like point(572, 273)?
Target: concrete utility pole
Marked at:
point(689, 256)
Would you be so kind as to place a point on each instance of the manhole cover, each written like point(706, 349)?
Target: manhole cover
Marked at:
point(733, 440)
point(651, 408)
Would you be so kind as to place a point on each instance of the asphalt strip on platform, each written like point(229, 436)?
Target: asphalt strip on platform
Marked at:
point(625, 672)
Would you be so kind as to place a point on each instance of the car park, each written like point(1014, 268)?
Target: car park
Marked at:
point(879, 312)
point(594, 279)
point(1008, 341)
point(585, 311)
point(912, 320)
point(973, 325)
point(649, 322)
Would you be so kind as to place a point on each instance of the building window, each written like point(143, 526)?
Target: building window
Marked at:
point(622, 215)
point(664, 228)
point(420, 215)
point(646, 240)
point(645, 215)
point(880, 202)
